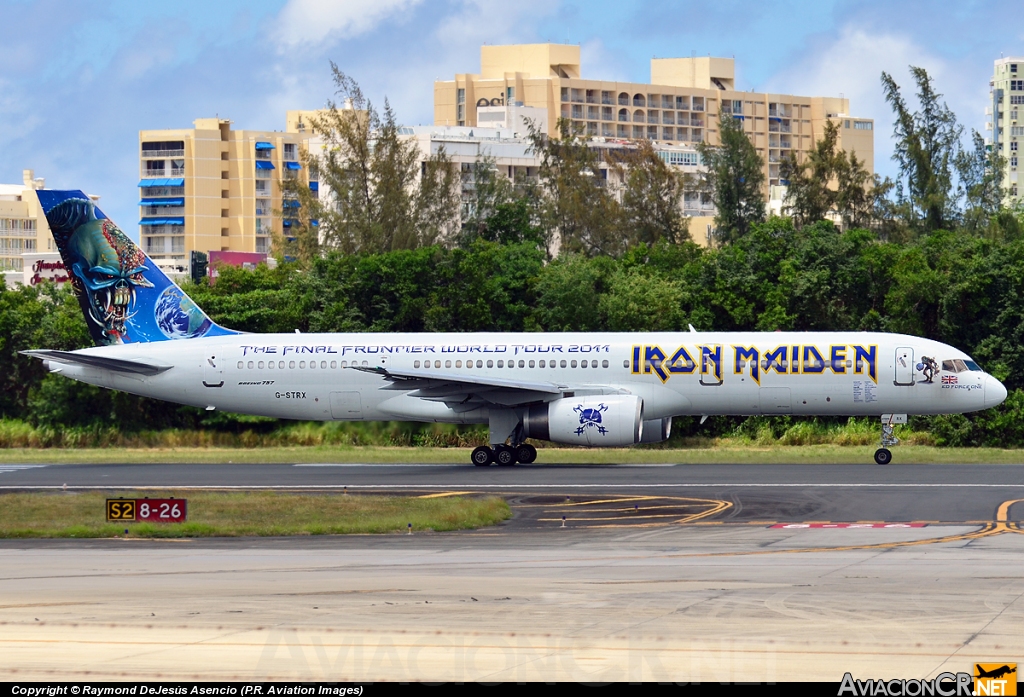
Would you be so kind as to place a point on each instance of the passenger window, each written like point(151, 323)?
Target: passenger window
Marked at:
point(625, 363)
point(583, 364)
point(531, 364)
point(501, 364)
point(479, 364)
point(312, 365)
point(458, 364)
point(291, 364)
point(447, 364)
point(490, 364)
point(260, 365)
point(280, 365)
point(240, 365)
point(250, 365)
point(522, 363)
point(415, 364)
point(323, 365)
point(302, 364)
point(604, 364)
point(334, 364)
point(572, 364)
point(563, 363)
point(540, 364)
point(270, 364)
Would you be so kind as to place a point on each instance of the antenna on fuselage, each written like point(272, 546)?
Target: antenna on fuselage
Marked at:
point(692, 330)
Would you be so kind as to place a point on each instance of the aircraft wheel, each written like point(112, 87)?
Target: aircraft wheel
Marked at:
point(482, 456)
point(504, 455)
point(883, 456)
point(526, 453)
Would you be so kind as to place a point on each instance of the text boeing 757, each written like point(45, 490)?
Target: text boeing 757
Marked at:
point(591, 389)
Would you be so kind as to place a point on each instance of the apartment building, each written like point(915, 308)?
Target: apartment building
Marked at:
point(213, 188)
point(681, 105)
point(508, 146)
point(1007, 89)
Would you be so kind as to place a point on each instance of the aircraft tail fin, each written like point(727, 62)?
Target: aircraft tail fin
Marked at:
point(125, 297)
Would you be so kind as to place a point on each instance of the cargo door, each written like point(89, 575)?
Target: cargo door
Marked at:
point(346, 406)
point(775, 400)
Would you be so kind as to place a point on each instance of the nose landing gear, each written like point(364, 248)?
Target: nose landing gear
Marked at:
point(883, 456)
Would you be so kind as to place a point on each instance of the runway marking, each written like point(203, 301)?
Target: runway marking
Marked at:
point(1000, 525)
point(18, 468)
point(443, 494)
point(524, 486)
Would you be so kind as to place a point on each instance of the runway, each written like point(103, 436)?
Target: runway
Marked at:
point(756, 493)
point(669, 573)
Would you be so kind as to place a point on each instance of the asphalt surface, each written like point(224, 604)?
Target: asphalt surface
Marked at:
point(541, 494)
point(685, 573)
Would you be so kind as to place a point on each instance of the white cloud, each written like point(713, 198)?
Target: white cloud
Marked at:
point(850, 64)
point(313, 21)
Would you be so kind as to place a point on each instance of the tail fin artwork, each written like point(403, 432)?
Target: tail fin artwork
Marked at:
point(125, 297)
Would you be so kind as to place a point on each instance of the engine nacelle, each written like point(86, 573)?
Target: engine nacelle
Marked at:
point(594, 420)
point(657, 430)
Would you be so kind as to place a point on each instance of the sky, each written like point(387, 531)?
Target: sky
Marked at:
point(80, 78)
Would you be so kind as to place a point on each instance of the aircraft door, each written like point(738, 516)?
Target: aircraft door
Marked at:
point(904, 366)
point(213, 372)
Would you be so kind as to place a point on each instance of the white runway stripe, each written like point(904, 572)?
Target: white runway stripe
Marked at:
point(522, 486)
point(18, 468)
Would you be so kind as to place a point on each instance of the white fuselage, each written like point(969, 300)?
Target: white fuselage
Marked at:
point(310, 376)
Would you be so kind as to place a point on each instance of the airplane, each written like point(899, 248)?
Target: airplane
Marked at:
point(595, 389)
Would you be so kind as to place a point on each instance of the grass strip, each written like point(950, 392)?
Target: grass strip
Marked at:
point(710, 454)
point(259, 514)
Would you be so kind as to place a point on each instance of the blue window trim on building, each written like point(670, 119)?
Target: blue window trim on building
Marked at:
point(286, 223)
point(162, 202)
point(292, 165)
point(147, 183)
point(263, 164)
point(263, 145)
point(314, 186)
point(289, 204)
point(163, 221)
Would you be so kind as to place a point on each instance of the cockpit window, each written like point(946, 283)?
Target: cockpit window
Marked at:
point(957, 365)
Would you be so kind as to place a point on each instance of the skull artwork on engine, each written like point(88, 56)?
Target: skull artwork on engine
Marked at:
point(106, 267)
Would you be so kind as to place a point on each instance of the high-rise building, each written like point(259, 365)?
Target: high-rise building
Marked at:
point(1007, 87)
point(212, 188)
point(681, 104)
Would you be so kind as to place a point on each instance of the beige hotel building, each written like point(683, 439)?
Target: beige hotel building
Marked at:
point(681, 104)
point(212, 188)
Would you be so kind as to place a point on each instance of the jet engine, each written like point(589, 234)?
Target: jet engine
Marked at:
point(656, 430)
point(594, 420)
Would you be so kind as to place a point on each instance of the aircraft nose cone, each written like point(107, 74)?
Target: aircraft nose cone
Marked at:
point(995, 392)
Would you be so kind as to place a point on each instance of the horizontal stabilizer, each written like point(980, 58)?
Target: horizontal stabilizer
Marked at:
point(118, 365)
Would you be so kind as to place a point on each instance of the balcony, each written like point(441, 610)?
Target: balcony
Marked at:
point(696, 121)
point(263, 155)
point(668, 117)
point(163, 153)
point(623, 99)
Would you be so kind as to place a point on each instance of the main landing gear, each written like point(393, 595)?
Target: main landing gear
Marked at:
point(504, 455)
point(883, 456)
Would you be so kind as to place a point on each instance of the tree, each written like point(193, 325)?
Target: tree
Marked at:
point(734, 177)
point(926, 146)
point(651, 196)
point(981, 186)
point(575, 204)
point(829, 181)
point(377, 197)
point(497, 211)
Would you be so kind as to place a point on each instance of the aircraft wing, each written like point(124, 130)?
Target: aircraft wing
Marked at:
point(118, 365)
point(463, 392)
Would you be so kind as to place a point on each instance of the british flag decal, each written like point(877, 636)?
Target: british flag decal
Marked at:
point(949, 379)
